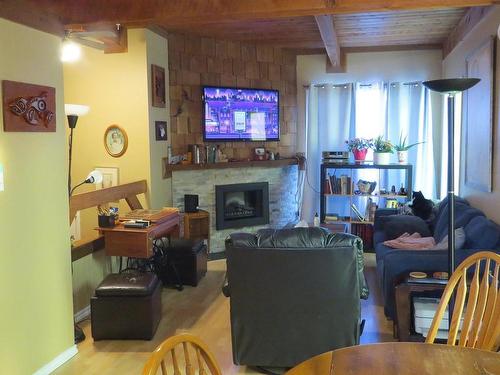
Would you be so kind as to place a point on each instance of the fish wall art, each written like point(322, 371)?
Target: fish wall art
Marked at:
point(28, 107)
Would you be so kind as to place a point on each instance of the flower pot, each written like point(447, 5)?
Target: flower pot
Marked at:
point(381, 158)
point(359, 155)
point(403, 157)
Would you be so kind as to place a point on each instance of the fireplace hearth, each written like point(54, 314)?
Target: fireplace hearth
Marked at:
point(241, 205)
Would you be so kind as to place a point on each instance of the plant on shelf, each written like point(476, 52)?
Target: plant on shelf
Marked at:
point(359, 147)
point(402, 149)
point(382, 150)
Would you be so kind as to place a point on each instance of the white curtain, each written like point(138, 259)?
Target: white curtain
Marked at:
point(336, 113)
point(410, 115)
point(329, 123)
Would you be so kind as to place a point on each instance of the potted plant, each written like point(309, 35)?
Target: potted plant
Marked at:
point(402, 149)
point(359, 147)
point(382, 150)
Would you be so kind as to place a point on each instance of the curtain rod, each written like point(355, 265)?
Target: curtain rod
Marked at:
point(362, 84)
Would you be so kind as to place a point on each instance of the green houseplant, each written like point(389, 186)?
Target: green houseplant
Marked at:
point(382, 150)
point(359, 147)
point(402, 149)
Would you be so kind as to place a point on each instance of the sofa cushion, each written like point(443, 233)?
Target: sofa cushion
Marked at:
point(395, 225)
point(482, 233)
point(463, 215)
point(459, 240)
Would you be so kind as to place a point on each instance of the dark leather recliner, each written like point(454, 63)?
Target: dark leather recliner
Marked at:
point(294, 293)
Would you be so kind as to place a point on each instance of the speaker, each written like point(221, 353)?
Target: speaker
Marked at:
point(190, 203)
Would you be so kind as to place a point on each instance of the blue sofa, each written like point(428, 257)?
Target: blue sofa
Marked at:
point(393, 264)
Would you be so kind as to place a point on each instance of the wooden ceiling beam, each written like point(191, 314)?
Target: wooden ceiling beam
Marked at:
point(329, 36)
point(464, 26)
point(167, 13)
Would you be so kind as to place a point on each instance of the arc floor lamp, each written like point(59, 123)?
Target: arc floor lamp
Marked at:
point(451, 87)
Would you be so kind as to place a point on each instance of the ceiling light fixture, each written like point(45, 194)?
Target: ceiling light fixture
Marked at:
point(70, 51)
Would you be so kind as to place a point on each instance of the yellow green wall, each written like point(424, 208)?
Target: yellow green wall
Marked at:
point(116, 88)
point(35, 264)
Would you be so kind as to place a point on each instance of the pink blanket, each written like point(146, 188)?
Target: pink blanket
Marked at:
point(411, 242)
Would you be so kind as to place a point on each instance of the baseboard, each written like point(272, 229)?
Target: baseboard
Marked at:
point(82, 314)
point(57, 361)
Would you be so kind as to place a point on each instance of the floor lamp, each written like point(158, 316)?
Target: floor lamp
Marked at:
point(451, 87)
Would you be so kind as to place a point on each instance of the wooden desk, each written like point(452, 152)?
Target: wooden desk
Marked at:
point(401, 358)
point(138, 243)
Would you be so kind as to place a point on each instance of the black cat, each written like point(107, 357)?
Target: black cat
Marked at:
point(420, 206)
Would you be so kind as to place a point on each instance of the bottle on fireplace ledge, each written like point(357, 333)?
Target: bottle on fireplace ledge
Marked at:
point(316, 220)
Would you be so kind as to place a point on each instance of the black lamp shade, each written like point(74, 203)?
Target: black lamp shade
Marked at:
point(72, 119)
point(451, 85)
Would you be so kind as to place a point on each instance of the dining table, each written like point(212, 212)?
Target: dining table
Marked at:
point(401, 358)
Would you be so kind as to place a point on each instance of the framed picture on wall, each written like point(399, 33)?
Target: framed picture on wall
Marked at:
point(158, 83)
point(109, 177)
point(161, 130)
point(115, 140)
point(479, 118)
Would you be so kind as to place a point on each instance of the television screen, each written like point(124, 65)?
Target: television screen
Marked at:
point(234, 114)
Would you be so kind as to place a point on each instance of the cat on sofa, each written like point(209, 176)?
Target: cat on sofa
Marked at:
point(420, 206)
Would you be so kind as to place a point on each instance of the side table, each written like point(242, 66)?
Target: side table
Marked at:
point(197, 226)
point(404, 291)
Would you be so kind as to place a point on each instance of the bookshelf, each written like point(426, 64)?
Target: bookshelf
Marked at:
point(342, 202)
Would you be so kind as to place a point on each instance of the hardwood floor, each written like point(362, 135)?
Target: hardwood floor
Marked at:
point(203, 311)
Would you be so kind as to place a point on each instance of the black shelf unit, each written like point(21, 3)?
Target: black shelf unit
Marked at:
point(325, 167)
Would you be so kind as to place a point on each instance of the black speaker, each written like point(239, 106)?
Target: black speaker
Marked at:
point(190, 203)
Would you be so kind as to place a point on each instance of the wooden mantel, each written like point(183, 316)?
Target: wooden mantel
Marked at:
point(169, 168)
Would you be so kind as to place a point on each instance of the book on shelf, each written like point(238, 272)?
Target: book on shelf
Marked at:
point(339, 185)
point(331, 217)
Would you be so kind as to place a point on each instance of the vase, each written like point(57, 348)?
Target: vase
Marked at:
point(382, 158)
point(359, 155)
point(403, 157)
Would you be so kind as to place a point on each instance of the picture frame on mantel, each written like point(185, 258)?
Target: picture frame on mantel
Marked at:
point(479, 126)
point(158, 86)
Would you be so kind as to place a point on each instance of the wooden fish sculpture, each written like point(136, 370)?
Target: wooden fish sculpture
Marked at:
point(33, 109)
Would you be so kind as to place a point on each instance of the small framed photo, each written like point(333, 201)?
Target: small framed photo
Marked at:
point(109, 177)
point(115, 141)
point(161, 130)
point(158, 83)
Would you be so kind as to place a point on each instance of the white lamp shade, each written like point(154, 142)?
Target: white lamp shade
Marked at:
point(70, 51)
point(94, 177)
point(76, 109)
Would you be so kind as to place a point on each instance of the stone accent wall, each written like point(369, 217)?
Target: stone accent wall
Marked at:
point(282, 194)
point(196, 61)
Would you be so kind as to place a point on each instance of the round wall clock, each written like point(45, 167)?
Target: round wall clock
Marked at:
point(115, 141)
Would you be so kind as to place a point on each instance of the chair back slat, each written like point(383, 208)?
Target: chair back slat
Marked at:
point(471, 305)
point(492, 316)
point(480, 308)
point(186, 342)
point(201, 366)
point(481, 322)
point(175, 363)
point(189, 367)
point(164, 368)
point(458, 310)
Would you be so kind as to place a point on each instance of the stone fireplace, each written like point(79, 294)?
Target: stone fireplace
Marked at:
point(282, 188)
point(241, 205)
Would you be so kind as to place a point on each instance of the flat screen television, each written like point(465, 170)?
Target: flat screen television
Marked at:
point(236, 114)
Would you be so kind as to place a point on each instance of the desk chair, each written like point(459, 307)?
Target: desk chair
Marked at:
point(481, 323)
point(187, 345)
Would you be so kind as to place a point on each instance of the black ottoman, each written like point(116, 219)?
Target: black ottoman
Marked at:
point(189, 259)
point(126, 306)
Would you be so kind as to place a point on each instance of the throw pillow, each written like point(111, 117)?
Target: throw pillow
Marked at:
point(482, 234)
point(459, 240)
point(395, 225)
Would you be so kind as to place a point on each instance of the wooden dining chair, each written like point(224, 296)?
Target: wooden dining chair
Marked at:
point(166, 357)
point(481, 304)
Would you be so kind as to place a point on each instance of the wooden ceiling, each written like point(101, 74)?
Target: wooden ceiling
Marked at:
point(334, 25)
point(353, 30)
